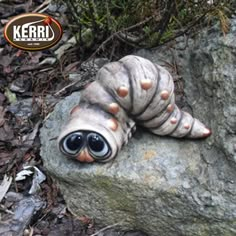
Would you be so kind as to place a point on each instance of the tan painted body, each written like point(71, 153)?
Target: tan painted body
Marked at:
point(132, 90)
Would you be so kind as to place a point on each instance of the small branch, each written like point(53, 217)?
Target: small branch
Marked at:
point(65, 88)
point(73, 9)
point(116, 34)
point(126, 41)
point(93, 16)
point(138, 24)
point(170, 9)
point(180, 33)
point(45, 3)
point(131, 39)
point(105, 228)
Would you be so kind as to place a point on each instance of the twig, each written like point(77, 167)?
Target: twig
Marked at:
point(45, 3)
point(112, 51)
point(71, 5)
point(4, 186)
point(105, 228)
point(31, 231)
point(116, 34)
point(170, 10)
point(93, 15)
point(132, 39)
point(44, 9)
point(3, 209)
point(138, 24)
point(178, 34)
point(126, 41)
point(65, 88)
point(27, 68)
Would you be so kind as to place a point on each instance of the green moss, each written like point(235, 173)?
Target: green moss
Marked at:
point(209, 228)
point(117, 199)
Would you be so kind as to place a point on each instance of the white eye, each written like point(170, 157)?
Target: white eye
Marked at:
point(73, 143)
point(98, 146)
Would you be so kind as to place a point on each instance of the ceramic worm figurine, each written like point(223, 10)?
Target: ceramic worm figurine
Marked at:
point(130, 91)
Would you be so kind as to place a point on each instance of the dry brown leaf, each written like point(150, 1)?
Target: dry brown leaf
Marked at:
point(6, 60)
point(2, 113)
point(85, 219)
point(2, 98)
point(6, 133)
point(4, 186)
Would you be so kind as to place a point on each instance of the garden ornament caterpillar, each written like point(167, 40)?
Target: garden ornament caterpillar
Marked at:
point(130, 91)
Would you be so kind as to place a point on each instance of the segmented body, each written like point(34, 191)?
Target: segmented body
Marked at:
point(131, 91)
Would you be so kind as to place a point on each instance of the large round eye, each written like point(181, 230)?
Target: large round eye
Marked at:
point(73, 143)
point(97, 145)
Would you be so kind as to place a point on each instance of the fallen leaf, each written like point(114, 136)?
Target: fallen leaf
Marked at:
point(18, 53)
point(2, 113)
point(22, 216)
point(10, 96)
point(4, 21)
point(7, 70)
point(23, 174)
point(29, 139)
point(6, 133)
point(38, 177)
point(2, 98)
point(6, 60)
point(24, 109)
point(48, 61)
point(35, 56)
point(21, 84)
point(7, 160)
point(85, 219)
point(5, 157)
point(5, 186)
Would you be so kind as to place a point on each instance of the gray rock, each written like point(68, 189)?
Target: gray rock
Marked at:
point(160, 185)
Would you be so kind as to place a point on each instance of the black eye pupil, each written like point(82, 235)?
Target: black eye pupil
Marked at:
point(74, 142)
point(96, 143)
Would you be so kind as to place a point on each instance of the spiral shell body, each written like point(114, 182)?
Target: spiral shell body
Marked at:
point(131, 91)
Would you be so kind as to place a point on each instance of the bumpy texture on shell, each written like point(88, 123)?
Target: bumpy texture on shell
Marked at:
point(132, 91)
